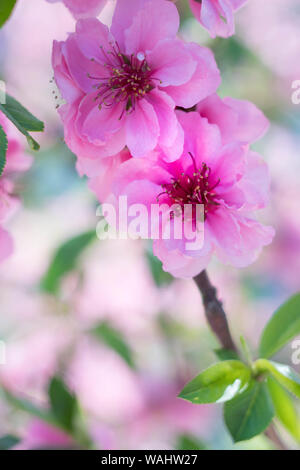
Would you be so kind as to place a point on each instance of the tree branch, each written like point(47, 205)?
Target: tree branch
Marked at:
point(214, 311)
point(217, 320)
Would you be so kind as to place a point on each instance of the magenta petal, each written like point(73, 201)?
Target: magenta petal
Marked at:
point(171, 63)
point(157, 20)
point(142, 129)
point(79, 66)
point(98, 124)
point(164, 107)
point(92, 36)
point(204, 81)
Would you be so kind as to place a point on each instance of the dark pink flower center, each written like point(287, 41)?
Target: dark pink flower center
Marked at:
point(129, 79)
point(195, 187)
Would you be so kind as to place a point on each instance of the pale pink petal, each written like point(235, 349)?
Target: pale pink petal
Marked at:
point(251, 124)
point(6, 245)
point(255, 183)
point(142, 129)
point(178, 264)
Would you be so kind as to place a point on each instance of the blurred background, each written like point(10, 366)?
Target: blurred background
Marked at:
point(101, 315)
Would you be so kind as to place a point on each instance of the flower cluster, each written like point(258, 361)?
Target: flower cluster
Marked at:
point(16, 161)
point(217, 16)
point(143, 117)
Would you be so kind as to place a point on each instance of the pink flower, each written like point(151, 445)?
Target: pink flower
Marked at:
point(83, 8)
point(230, 181)
point(217, 16)
point(16, 161)
point(41, 435)
point(121, 86)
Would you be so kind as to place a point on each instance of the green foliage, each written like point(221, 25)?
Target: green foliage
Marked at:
point(284, 408)
point(114, 339)
point(249, 413)
point(65, 260)
point(3, 149)
point(160, 277)
point(6, 8)
point(285, 375)
point(189, 442)
point(217, 384)
point(22, 119)
point(63, 403)
point(28, 407)
point(283, 326)
point(226, 354)
point(8, 441)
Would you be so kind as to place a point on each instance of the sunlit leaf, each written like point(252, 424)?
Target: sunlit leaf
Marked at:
point(217, 384)
point(22, 119)
point(249, 413)
point(189, 442)
point(284, 408)
point(282, 327)
point(284, 374)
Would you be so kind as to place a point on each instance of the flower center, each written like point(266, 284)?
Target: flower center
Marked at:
point(194, 188)
point(129, 79)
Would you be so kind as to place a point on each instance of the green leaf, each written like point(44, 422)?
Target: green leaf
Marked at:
point(6, 8)
point(217, 384)
point(284, 408)
point(282, 327)
point(226, 354)
point(8, 441)
point(189, 442)
point(65, 260)
point(284, 374)
point(3, 149)
point(160, 277)
point(63, 403)
point(249, 413)
point(114, 339)
point(22, 119)
point(28, 407)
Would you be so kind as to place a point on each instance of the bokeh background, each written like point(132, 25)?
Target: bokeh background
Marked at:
point(60, 321)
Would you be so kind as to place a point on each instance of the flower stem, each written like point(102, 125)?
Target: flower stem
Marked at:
point(217, 320)
point(214, 311)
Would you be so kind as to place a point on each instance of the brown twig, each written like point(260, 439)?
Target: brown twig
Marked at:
point(214, 311)
point(217, 320)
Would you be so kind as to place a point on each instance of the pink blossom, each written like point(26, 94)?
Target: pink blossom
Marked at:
point(105, 110)
point(41, 435)
point(16, 161)
point(83, 8)
point(228, 179)
point(217, 16)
